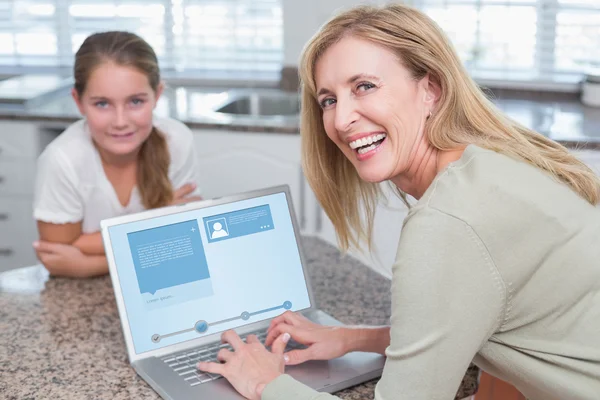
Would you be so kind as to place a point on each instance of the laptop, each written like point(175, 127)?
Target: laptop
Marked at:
point(184, 274)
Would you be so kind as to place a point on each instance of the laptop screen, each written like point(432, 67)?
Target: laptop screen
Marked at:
point(201, 272)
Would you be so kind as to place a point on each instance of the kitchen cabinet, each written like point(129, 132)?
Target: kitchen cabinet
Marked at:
point(20, 144)
point(232, 162)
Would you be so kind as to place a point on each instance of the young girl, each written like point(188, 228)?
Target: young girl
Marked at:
point(119, 159)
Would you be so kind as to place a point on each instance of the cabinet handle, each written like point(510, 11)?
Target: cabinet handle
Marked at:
point(6, 252)
point(3, 216)
point(1, 179)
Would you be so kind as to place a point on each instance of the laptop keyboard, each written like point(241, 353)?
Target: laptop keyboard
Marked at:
point(184, 363)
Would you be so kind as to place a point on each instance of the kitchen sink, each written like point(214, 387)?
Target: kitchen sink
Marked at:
point(263, 104)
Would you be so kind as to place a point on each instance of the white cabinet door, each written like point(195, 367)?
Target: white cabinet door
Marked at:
point(18, 140)
point(234, 162)
point(17, 177)
point(17, 233)
point(20, 144)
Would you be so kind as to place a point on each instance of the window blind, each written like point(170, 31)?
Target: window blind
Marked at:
point(222, 35)
point(534, 40)
point(543, 40)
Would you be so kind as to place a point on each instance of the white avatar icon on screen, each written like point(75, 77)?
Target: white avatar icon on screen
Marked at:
point(218, 231)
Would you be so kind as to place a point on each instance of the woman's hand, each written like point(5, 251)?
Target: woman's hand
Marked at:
point(59, 258)
point(180, 195)
point(324, 342)
point(250, 367)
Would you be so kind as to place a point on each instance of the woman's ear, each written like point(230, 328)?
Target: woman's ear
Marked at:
point(77, 100)
point(433, 91)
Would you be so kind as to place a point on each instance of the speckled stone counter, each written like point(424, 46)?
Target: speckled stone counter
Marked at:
point(61, 338)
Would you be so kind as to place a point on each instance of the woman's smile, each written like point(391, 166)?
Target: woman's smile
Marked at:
point(368, 146)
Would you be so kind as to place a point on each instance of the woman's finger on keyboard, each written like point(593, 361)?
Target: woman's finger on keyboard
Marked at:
point(224, 355)
point(276, 321)
point(252, 339)
point(288, 317)
point(276, 331)
point(300, 335)
point(280, 343)
point(295, 357)
point(211, 367)
point(232, 338)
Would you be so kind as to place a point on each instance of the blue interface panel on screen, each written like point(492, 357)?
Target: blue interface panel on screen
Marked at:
point(204, 271)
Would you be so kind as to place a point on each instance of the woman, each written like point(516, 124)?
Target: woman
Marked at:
point(119, 159)
point(497, 261)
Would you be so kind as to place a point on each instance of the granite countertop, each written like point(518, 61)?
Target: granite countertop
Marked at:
point(62, 338)
point(560, 116)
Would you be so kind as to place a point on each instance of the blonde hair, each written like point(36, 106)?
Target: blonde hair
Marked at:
point(463, 116)
point(128, 49)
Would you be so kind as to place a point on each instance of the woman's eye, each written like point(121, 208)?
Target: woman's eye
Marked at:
point(327, 102)
point(137, 102)
point(362, 87)
point(101, 104)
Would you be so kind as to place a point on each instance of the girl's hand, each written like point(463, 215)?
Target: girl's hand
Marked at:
point(180, 195)
point(324, 342)
point(250, 367)
point(58, 258)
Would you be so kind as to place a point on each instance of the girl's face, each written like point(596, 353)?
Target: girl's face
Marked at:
point(118, 102)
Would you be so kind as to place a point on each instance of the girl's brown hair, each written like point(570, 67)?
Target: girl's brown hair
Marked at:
point(128, 49)
point(463, 116)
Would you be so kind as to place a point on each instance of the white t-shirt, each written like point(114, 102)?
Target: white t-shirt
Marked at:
point(71, 185)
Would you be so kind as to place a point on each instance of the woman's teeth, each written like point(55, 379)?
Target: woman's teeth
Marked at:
point(368, 143)
point(364, 150)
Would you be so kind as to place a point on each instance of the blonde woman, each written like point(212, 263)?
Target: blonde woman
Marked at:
point(118, 160)
point(498, 260)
